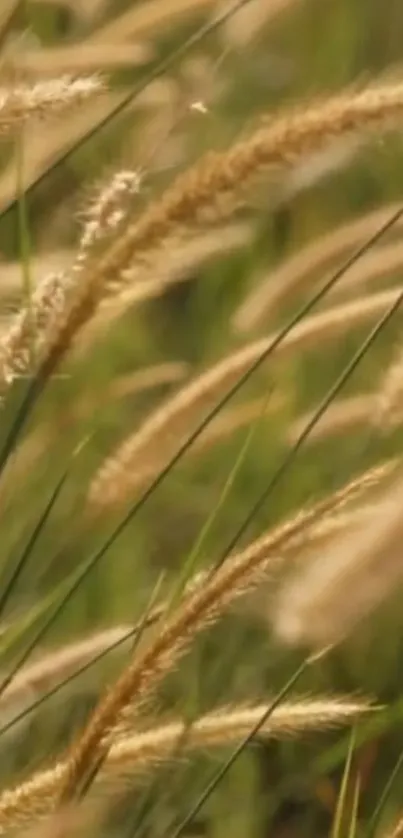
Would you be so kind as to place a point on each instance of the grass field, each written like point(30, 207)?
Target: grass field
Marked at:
point(201, 371)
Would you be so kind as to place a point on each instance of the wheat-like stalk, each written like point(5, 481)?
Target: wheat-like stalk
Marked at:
point(198, 609)
point(236, 417)
point(324, 603)
point(220, 174)
point(143, 453)
point(241, 28)
point(136, 752)
point(32, 330)
point(306, 263)
point(53, 665)
point(211, 184)
point(228, 724)
point(147, 283)
point(106, 212)
point(351, 412)
point(20, 103)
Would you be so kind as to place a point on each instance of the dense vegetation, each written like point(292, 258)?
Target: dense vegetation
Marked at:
point(170, 211)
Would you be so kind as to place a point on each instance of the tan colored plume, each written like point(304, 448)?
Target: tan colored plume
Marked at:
point(336, 590)
point(143, 453)
point(20, 103)
point(137, 752)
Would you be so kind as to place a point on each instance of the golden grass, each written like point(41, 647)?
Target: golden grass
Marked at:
point(211, 184)
point(303, 266)
point(45, 148)
point(135, 244)
point(60, 662)
point(322, 605)
point(199, 608)
point(180, 264)
point(107, 209)
point(21, 103)
point(241, 28)
point(82, 58)
point(145, 18)
point(339, 418)
point(228, 724)
point(217, 176)
point(145, 451)
point(136, 752)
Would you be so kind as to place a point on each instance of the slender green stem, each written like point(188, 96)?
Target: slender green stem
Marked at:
point(219, 775)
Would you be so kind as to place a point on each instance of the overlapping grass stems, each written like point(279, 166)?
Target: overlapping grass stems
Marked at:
point(100, 746)
point(394, 306)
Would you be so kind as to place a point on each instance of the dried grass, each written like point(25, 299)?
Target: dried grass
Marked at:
point(146, 18)
point(60, 135)
point(339, 418)
point(246, 25)
point(143, 453)
point(82, 58)
point(137, 752)
point(22, 103)
point(59, 663)
point(180, 264)
point(217, 176)
point(337, 590)
point(199, 608)
point(209, 185)
point(307, 261)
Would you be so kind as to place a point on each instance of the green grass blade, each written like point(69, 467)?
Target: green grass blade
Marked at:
point(342, 798)
point(194, 554)
point(67, 589)
point(352, 832)
point(385, 794)
point(321, 410)
point(26, 553)
point(219, 775)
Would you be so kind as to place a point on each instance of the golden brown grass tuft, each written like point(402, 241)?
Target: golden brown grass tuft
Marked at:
point(341, 417)
point(199, 608)
point(212, 184)
point(301, 269)
point(20, 103)
point(143, 453)
point(364, 567)
point(220, 175)
point(136, 752)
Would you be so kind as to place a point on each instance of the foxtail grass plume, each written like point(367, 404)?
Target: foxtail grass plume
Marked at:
point(299, 269)
point(145, 451)
point(326, 600)
point(219, 175)
point(211, 186)
point(137, 752)
point(198, 609)
point(21, 103)
point(342, 416)
point(106, 211)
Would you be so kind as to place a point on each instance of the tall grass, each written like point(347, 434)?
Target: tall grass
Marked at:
point(201, 540)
